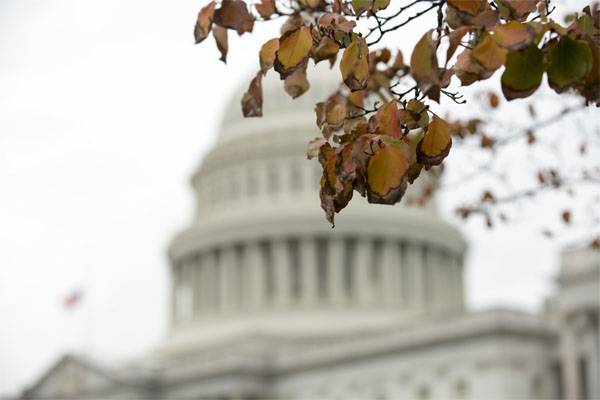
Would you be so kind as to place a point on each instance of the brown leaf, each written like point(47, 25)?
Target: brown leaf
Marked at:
point(513, 35)
point(234, 14)
point(220, 35)
point(296, 84)
point(493, 100)
point(253, 98)
point(424, 66)
point(266, 8)
point(204, 22)
point(327, 49)
point(454, 39)
point(314, 146)
point(294, 49)
point(387, 120)
point(566, 216)
point(266, 55)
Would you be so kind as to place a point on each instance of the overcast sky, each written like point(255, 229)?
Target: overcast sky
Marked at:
point(106, 109)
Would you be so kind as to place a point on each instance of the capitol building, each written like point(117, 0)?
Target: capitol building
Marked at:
point(269, 302)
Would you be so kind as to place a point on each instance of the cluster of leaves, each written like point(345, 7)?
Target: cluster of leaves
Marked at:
point(376, 138)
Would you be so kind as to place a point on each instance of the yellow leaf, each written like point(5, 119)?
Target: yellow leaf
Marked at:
point(489, 54)
point(294, 48)
point(513, 35)
point(267, 54)
point(386, 170)
point(436, 142)
point(355, 64)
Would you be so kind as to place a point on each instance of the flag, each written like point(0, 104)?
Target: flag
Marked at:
point(73, 299)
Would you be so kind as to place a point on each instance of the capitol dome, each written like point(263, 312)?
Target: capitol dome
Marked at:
point(261, 257)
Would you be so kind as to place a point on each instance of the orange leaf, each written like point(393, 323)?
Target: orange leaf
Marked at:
point(253, 99)
point(436, 143)
point(386, 175)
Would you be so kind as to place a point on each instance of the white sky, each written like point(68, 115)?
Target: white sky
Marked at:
point(106, 109)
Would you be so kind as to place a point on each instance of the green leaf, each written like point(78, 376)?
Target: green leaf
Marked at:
point(570, 62)
point(523, 73)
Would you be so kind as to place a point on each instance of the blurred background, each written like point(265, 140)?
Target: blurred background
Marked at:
point(107, 111)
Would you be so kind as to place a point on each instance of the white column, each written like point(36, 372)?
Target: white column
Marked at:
point(175, 286)
point(227, 277)
point(569, 361)
point(256, 275)
point(441, 281)
point(390, 268)
point(184, 294)
point(335, 269)
point(281, 269)
point(363, 287)
point(207, 294)
point(308, 270)
point(414, 261)
point(459, 278)
point(196, 283)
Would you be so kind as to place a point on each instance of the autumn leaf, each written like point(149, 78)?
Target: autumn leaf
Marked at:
point(355, 64)
point(436, 143)
point(234, 14)
point(266, 8)
point(266, 54)
point(252, 100)
point(471, 7)
point(204, 22)
point(489, 54)
point(294, 49)
point(314, 146)
point(386, 175)
point(387, 120)
point(327, 49)
point(296, 84)
point(513, 35)
point(220, 35)
point(424, 66)
point(523, 73)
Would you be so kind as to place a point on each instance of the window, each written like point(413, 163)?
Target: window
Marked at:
point(239, 277)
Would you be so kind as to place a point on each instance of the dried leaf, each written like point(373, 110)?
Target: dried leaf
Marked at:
point(204, 22)
point(253, 98)
point(234, 14)
point(220, 35)
point(296, 84)
point(266, 54)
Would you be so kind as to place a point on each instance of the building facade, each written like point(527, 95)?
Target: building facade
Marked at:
point(268, 301)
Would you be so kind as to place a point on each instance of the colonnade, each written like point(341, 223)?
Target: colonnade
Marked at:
point(311, 272)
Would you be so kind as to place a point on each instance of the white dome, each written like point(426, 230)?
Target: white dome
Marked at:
point(260, 255)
